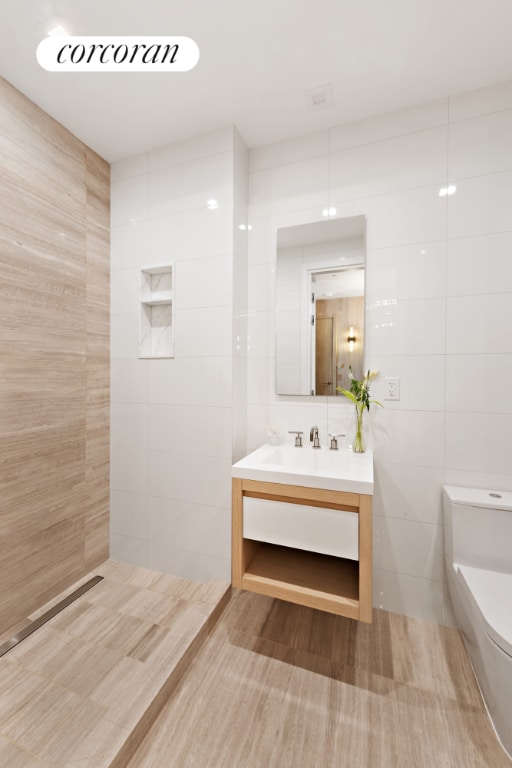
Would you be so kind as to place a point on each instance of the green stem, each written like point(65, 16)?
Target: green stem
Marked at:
point(358, 445)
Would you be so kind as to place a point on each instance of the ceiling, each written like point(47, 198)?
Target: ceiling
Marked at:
point(257, 59)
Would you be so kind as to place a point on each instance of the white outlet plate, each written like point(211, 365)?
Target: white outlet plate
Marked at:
point(392, 388)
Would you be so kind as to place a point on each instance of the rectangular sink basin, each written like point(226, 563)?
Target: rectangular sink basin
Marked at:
point(340, 470)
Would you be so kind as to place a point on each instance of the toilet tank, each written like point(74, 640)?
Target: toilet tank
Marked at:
point(478, 527)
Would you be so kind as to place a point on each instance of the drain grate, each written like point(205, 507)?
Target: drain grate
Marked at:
point(32, 626)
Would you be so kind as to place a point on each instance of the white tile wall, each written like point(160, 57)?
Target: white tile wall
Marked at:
point(174, 430)
point(401, 162)
point(439, 293)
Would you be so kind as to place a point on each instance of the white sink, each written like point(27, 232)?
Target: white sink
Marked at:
point(340, 470)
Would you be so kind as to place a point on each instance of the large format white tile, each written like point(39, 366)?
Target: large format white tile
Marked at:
point(128, 381)
point(124, 291)
point(258, 417)
point(128, 550)
point(128, 200)
point(195, 429)
point(261, 241)
point(128, 425)
point(129, 246)
point(422, 381)
point(408, 547)
point(408, 492)
point(479, 264)
point(197, 528)
point(407, 437)
point(288, 378)
point(186, 564)
point(124, 335)
point(481, 102)
point(481, 145)
point(190, 235)
point(288, 349)
point(405, 217)
point(449, 619)
point(406, 272)
point(479, 442)
point(204, 480)
point(377, 129)
point(128, 469)
point(479, 383)
point(409, 595)
point(131, 166)
point(204, 282)
point(402, 162)
point(261, 287)
point(203, 332)
point(128, 514)
point(299, 414)
point(191, 381)
point(289, 151)
point(193, 148)
point(405, 327)
point(189, 186)
point(477, 479)
point(289, 187)
point(479, 324)
point(481, 205)
point(260, 334)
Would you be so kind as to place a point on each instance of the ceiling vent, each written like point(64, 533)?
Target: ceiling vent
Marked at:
point(318, 98)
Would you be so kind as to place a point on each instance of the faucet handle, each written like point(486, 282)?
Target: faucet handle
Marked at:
point(298, 439)
point(334, 443)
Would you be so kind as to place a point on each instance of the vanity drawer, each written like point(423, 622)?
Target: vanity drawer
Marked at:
point(315, 529)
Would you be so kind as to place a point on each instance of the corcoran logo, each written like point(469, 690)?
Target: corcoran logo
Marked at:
point(117, 54)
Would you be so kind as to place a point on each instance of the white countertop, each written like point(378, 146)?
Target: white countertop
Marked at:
point(340, 470)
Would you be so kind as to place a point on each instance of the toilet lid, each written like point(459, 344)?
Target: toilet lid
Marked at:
point(492, 591)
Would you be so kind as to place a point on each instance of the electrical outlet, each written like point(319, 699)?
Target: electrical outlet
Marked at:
point(392, 388)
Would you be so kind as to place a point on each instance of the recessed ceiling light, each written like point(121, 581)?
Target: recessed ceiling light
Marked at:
point(212, 204)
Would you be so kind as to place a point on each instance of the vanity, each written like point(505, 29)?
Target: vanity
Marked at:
point(302, 527)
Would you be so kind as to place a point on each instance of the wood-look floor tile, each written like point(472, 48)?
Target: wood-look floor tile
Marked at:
point(117, 690)
point(41, 716)
point(86, 669)
point(12, 756)
point(268, 689)
point(88, 740)
point(45, 652)
point(150, 606)
point(18, 686)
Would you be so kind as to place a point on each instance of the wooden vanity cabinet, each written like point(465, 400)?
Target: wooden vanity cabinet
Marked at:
point(335, 584)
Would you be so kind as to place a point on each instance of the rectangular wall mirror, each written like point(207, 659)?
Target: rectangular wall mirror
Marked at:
point(320, 306)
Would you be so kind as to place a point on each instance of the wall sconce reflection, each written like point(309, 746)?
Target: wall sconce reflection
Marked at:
point(351, 338)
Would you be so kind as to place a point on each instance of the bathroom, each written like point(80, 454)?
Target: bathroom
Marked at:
point(209, 197)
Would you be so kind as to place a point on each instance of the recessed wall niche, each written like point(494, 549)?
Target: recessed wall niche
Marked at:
point(156, 323)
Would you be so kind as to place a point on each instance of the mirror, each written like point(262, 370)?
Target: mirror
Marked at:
point(320, 306)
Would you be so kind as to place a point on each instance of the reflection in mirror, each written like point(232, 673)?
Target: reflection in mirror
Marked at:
point(320, 306)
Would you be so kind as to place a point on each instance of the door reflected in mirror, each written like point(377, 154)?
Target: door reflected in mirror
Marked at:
point(320, 306)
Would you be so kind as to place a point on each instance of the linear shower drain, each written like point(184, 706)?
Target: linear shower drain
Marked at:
point(32, 626)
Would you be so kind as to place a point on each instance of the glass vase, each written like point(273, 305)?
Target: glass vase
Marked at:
point(358, 445)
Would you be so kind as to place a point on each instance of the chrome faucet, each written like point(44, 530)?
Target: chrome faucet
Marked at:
point(314, 438)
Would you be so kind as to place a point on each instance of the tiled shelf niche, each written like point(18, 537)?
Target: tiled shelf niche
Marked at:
point(156, 324)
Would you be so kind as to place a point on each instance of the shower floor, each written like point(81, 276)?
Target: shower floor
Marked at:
point(84, 689)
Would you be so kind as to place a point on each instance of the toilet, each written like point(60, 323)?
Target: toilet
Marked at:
point(478, 553)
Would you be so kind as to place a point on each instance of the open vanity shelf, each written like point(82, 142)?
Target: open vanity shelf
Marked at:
point(340, 585)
